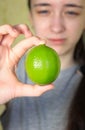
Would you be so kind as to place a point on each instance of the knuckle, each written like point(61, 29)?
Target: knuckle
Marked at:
point(8, 26)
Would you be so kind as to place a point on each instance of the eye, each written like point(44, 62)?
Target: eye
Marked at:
point(43, 12)
point(72, 13)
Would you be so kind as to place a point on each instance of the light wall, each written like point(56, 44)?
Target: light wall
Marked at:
point(14, 12)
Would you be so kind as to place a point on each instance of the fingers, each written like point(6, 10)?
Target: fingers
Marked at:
point(13, 30)
point(9, 33)
point(8, 40)
point(7, 93)
point(29, 90)
point(7, 29)
point(23, 29)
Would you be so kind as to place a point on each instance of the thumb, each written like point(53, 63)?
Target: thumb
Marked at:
point(31, 90)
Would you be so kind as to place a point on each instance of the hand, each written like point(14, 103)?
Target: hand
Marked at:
point(10, 86)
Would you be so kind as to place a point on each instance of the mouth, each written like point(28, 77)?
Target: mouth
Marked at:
point(57, 41)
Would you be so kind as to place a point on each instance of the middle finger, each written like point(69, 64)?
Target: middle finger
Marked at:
point(8, 40)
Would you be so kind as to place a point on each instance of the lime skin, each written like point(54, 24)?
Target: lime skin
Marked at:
point(42, 64)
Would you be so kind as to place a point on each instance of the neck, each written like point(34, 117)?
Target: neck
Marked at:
point(67, 61)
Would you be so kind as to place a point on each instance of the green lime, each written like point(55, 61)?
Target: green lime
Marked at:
point(42, 64)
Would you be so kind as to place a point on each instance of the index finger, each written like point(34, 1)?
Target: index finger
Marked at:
point(23, 29)
point(8, 29)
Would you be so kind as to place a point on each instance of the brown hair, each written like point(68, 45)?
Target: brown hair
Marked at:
point(79, 53)
point(76, 115)
point(29, 4)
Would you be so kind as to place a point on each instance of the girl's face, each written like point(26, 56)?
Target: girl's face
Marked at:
point(60, 22)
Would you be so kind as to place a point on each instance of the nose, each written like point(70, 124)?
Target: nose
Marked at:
point(57, 23)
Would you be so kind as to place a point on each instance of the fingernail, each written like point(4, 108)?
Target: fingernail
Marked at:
point(41, 43)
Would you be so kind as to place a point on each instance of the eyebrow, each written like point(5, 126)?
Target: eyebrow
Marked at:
point(41, 4)
point(66, 5)
point(74, 5)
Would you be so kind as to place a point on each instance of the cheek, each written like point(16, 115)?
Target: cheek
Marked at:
point(41, 28)
point(75, 31)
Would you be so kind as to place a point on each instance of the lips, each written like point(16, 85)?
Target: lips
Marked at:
point(57, 41)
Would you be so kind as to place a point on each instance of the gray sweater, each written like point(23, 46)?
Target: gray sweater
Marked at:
point(47, 112)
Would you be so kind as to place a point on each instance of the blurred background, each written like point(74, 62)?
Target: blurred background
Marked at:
point(14, 12)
